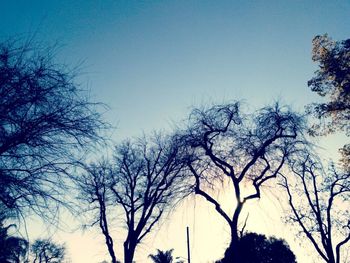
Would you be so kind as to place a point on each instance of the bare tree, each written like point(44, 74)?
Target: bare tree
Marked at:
point(144, 181)
point(248, 150)
point(319, 202)
point(94, 186)
point(46, 251)
point(45, 121)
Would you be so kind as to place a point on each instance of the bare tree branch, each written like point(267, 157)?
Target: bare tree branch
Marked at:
point(46, 122)
point(144, 179)
point(221, 142)
point(321, 219)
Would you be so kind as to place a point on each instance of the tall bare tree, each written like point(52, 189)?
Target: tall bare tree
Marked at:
point(94, 187)
point(45, 121)
point(319, 200)
point(46, 251)
point(144, 180)
point(248, 150)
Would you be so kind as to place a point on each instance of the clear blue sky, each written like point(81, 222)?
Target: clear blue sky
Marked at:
point(151, 60)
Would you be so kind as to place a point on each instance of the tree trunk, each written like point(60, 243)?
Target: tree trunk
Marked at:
point(105, 231)
point(111, 252)
point(232, 254)
point(129, 251)
point(331, 257)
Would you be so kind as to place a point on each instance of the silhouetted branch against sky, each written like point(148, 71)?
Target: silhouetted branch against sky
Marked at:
point(46, 251)
point(46, 122)
point(94, 198)
point(150, 61)
point(224, 143)
point(319, 200)
point(143, 180)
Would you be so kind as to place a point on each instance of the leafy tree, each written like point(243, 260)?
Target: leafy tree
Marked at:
point(13, 249)
point(163, 256)
point(143, 180)
point(247, 150)
point(45, 251)
point(319, 200)
point(259, 249)
point(332, 80)
point(45, 121)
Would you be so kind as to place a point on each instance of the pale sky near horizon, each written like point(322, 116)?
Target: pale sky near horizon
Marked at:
point(152, 60)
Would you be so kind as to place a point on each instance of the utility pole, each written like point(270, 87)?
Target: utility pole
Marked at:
point(188, 245)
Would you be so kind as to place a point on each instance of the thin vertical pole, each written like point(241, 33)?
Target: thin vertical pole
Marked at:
point(188, 246)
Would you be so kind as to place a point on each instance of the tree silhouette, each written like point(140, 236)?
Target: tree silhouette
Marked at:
point(245, 149)
point(45, 121)
point(319, 201)
point(144, 180)
point(163, 256)
point(46, 251)
point(94, 186)
point(12, 248)
point(259, 249)
point(332, 80)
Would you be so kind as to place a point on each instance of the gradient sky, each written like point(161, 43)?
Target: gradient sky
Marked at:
point(152, 60)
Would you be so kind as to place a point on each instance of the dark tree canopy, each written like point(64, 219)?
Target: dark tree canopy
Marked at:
point(332, 80)
point(259, 249)
point(246, 150)
point(12, 247)
point(45, 121)
point(319, 199)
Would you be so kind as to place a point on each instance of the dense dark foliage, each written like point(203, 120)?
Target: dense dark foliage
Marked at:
point(256, 248)
point(12, 247)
